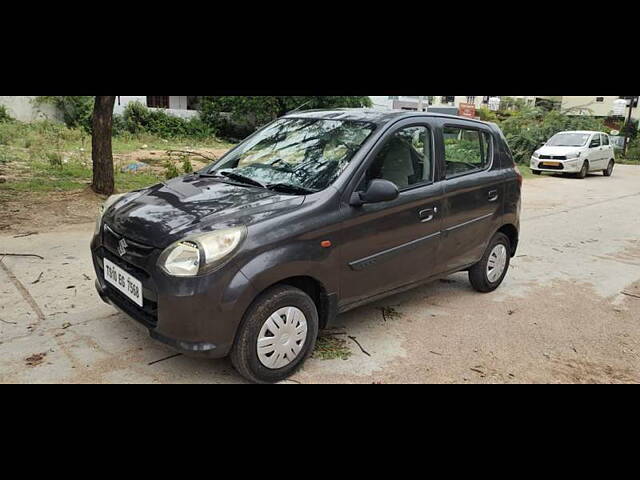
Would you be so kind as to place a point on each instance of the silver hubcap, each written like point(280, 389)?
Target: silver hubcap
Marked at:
point(497, 262)
point(282, 337)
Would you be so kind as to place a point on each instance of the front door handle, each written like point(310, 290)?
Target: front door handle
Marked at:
point(493, 195)
point(427, 214)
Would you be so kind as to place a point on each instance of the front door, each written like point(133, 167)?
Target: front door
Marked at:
point(393, 244)
point(473, 193)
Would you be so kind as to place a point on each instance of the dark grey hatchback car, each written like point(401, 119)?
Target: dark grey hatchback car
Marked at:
point(317, 213)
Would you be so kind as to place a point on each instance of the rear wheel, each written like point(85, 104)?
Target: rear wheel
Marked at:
point(609, 170)
point(277, 334)
point(584, 170)
point(489, 272)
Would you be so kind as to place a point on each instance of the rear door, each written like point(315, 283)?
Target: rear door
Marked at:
point(473, 192)
point(607, 151)
point(595, 152)
point(388, 245)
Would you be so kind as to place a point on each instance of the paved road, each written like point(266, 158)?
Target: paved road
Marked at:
point(559, 317)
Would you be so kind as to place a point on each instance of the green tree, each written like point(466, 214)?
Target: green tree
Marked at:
point(76, 111)
point(247, 113)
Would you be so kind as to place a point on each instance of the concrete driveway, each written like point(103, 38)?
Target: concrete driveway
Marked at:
point(560, 315)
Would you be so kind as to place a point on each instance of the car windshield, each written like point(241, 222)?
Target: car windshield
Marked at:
point(569, 140)
point(306, 155)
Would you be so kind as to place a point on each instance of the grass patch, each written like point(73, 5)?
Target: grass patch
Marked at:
point(47, 156)
point(330, 348)
point(526, 172)
point(628, 161)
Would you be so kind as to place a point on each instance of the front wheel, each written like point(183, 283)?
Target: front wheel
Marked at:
point(277, 334)
point(584, 170)
point(609, 170)
point(487, 275)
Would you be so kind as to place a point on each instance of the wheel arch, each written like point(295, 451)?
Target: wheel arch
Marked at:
point(317, 291)
point(511, 231)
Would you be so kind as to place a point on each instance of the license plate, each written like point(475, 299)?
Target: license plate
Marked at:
point(124, 282)
point(551, 164)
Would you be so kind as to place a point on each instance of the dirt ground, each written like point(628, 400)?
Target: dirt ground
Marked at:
point(568, 311)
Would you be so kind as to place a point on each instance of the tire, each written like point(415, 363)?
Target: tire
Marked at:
point(584, 170)
point(479, 275)
point(609, 170)
point(536, 172)
point(244, 353)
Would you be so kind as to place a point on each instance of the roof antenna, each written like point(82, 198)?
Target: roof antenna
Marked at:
point(299, 107)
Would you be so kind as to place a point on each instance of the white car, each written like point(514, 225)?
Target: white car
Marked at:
point(578, 152)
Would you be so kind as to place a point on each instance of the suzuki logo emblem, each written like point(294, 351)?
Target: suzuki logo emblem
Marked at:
point(122, 247)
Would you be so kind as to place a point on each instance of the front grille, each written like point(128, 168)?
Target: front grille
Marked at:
point(148, 313)
point(552, 157)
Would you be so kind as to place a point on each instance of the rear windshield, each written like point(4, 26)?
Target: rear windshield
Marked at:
point(300, 152)
point(569, 140)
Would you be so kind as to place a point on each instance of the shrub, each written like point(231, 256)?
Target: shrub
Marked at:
point(527, 128)
point(4, 115)
point(137, 118)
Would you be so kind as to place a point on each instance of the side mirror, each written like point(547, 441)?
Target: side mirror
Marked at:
point(378, 191)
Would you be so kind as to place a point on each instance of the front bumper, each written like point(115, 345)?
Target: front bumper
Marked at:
point(197, 316)
point(565, 166)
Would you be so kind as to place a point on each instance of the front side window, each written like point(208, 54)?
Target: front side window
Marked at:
point(466, 150)
point(595, 141)
point(303, 153)
point(405, 159)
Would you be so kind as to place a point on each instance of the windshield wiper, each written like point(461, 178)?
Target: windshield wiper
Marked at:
point(243, 179)
point(287, 188)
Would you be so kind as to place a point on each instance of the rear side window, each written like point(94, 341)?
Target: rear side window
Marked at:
point(466, 150)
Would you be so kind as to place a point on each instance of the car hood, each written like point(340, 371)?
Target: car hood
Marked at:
point(558, 151)
point(165, 213)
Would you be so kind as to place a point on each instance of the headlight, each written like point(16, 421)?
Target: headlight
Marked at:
point(105, 206)
point(573, 155)
point(198, 254)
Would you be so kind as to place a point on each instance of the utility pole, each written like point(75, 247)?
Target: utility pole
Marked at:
point(420, 104)
point(628, 125)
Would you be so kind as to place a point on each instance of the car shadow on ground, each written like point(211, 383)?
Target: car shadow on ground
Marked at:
point(372, 324)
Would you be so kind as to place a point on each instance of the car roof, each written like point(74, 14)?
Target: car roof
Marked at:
point(378, 117)
point(581, 131)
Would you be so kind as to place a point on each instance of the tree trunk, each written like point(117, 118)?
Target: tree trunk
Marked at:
point(101, 152)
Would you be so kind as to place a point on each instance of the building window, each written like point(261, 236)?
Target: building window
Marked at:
point(471, 99)
point(158, 102)
point(599, 99)
point(447, 99)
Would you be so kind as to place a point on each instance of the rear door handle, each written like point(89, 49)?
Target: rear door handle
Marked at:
point(493, 195)
point(427, 214)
